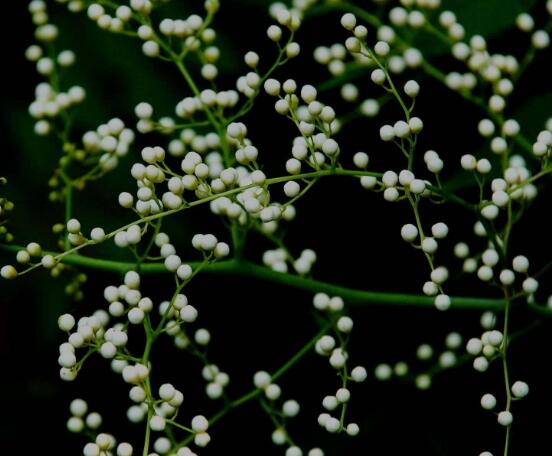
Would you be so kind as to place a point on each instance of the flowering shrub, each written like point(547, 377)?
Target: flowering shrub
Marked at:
point(207, 155)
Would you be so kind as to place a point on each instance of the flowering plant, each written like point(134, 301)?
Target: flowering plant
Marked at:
point(212, 153)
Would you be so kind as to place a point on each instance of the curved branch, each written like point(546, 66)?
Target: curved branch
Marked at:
point(251, 270)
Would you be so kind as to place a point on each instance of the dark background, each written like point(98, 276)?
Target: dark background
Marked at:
point(259, 325)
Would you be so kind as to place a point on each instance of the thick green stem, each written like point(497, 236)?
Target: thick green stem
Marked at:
point(249, 269)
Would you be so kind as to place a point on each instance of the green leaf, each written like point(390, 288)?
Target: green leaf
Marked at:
point(487, 17)
point(533, 115)
point(484, 17)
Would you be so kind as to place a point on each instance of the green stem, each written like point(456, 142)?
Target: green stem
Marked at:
point(503, 355)
point(248, 269)
point(68, 209)
point(253, 394)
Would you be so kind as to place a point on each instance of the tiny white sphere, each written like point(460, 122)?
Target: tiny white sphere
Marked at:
point(540, 39)
point(480, 364)
point(401, 129)
point(442, 302)
point(150, 48)
point(73, 226)
point(488, 401)
point(273, 392)
point(343, 395)
point(530, 285)
point(409, 232)
point(412, 89)
point(429, 245)
point(202, 336)
point(520, 263)
point(157, 423)
point(332, 425)
point(383, 372)
point(348, 21)
point(423, 381)
point(483, 166)
point(416, 125)
point(439, 275)
point(66, 322)
point(439, 230)
point(505, 418)
point(290, 408)
point(359, 374)
point(75, 424)
point(361, 159)
point(200, 423)
point(167, 391)
point(352, 429)
point(378, 76)
point(78, 407)
point(520, 389)
point(382, 49)
point(345, 324)
point(474, 346)
point(91, 449)
point(507, 277)
point(291, 189)
point(124, 449)
point(387, 133)
point(261, 379)
point(97, 234)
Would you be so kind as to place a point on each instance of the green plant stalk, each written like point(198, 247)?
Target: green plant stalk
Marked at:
point(248, 269)
point(255, 393)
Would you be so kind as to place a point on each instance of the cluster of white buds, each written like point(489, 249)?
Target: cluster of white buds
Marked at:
point(279, 413)
point(276, 260)
point(333, 57)
point(6, 206)
point(384, 371)
point(250, 83)
point(81, 418)
point(24, 257)
point(216, 379)
point(484, 348)
point(206, 145)
point(104, 444)
point(90, 332)
point(487, 267)
point(515, 185)
point(170, 399)
point(49, 104)
point(208, 244)
point(305, 262)
point(423, 379)
point(111, 140)
point(188, 107)
point(116, 23)
point(262, 380)
point(136, 308)
point(315, 121)
point(542, 147)
point(338, 357)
